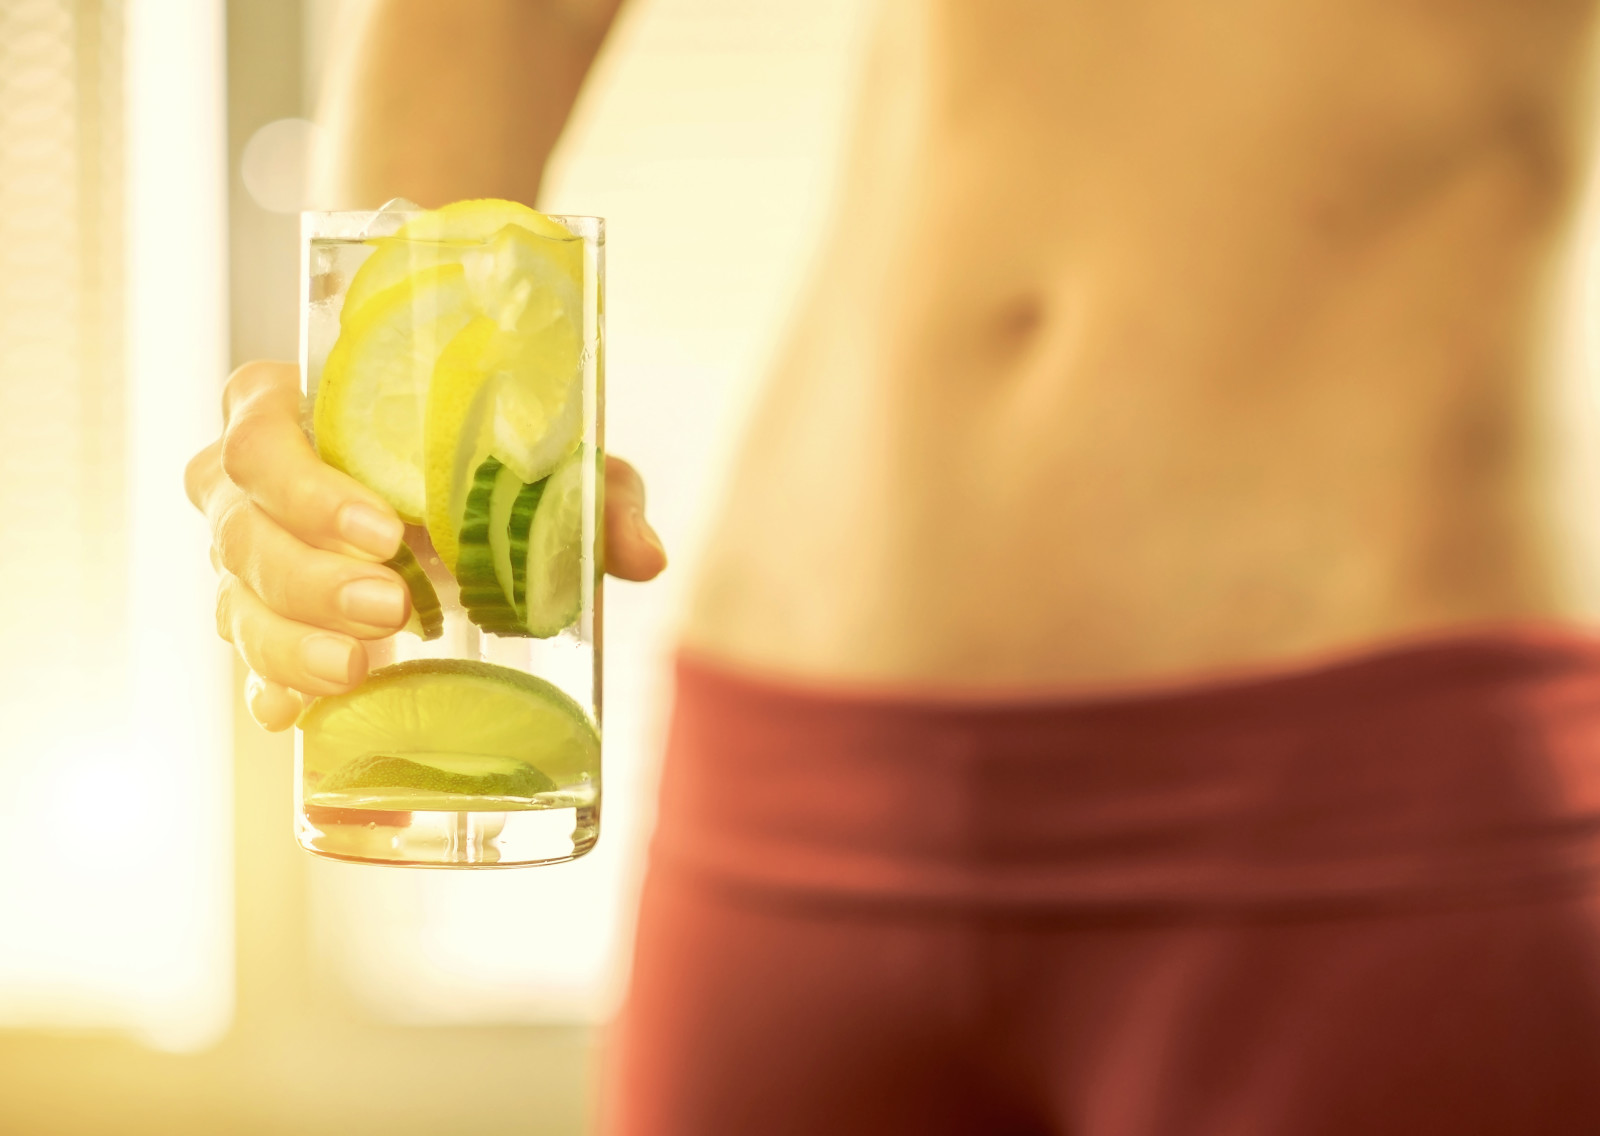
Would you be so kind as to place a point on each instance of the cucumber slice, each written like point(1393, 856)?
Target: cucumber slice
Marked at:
point(427, 616)
point(488, 589)
point(554, 573)
point(522, 514)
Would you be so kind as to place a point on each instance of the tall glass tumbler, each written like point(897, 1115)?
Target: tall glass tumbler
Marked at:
point(452, 362)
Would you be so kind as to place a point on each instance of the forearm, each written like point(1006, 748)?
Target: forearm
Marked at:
point(436, 102)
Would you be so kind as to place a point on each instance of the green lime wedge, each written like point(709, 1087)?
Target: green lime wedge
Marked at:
point(458, 718)
point(466, 773)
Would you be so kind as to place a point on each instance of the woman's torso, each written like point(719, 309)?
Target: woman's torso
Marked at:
point(1153, 337)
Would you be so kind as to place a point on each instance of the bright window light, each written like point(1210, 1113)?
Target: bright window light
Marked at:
point(115, 908)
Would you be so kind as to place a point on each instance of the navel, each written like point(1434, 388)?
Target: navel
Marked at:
point(1017, 323)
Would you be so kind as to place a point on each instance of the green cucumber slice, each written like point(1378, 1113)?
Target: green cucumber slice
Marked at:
point(488, 540)
point(427, 615)
point(522, 514)
point(554, 573)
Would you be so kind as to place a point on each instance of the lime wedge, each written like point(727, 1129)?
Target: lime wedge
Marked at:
point(469, 774)
point(373, 394)
point(458, 430)
point(458, 718)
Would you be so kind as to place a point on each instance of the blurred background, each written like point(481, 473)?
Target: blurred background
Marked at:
point(169, 960)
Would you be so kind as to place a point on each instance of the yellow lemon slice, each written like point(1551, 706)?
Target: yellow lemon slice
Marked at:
point(479, 219)
point(532, 287)
point(459, 430)
point(372, 396)
point(522, 274)
point(442, 236)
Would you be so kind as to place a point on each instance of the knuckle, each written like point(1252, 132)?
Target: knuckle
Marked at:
point(239, 445)
point(198, 472)
point(232, 534)
point(276, 660)
point(237, 390)
point(224, 614)
point(247, 381)
point(304, 502)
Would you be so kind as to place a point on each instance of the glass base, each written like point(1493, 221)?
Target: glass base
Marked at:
point(437, 839)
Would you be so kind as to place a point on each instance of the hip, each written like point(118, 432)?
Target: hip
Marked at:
point(1445, 769)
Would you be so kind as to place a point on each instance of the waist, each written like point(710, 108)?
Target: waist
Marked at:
point(1462, 767)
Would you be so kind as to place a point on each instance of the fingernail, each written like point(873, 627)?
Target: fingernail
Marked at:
point(330, 659)
point(374, 533)
point(377, 603)
point(644, 532)
point(255, 694)
point(254, 690)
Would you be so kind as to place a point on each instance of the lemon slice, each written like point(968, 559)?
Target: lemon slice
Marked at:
point(393, 260)
point(462, 720)
point(532, 287)
point(442, 236)
point(373, 393)
point(522, 273)
point(459, 430)
point(479, 219)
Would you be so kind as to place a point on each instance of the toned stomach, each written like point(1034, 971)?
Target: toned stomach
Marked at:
point(1130, 364)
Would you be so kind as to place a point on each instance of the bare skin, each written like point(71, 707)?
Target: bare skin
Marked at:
point(1159, 339)
point(1152, 338)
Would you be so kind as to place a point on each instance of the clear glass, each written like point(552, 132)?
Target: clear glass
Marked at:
point(371, 784)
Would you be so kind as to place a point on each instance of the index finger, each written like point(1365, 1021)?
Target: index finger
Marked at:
point(268, 456)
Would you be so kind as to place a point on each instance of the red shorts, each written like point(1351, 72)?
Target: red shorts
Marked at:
point(1361, 898)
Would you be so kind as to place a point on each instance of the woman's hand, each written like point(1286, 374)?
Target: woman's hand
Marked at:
point(300, 546)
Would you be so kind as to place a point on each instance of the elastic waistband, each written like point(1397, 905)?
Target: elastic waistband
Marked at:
point(1459, 766)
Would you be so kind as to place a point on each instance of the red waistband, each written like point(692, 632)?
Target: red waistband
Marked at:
point(1464, 766)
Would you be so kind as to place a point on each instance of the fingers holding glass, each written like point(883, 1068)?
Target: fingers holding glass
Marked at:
point(265, 453)
point(274, 707)
point(304, 584)
point(296, 655)
point(633, 550)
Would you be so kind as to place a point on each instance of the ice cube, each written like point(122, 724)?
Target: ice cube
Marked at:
point(524, 282)
point(389, 216)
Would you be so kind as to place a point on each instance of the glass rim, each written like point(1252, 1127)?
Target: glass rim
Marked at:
point(351, 224)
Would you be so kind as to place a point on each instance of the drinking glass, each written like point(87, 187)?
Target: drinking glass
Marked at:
point(443, 364)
